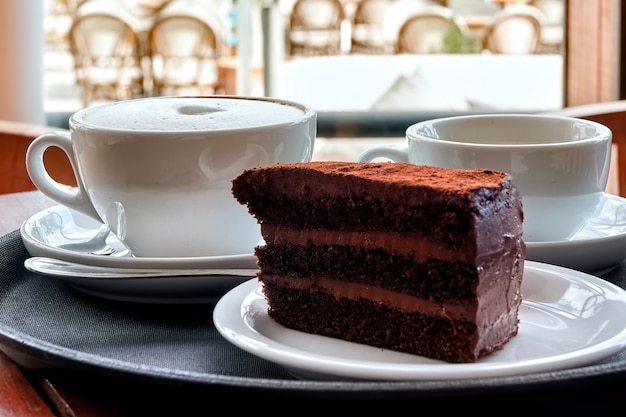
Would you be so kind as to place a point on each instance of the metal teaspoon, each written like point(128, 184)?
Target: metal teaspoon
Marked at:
point(58, 267)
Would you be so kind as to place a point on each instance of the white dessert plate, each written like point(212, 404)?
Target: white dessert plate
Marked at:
point(58, 232)
point(567, 319)
point(597, 248)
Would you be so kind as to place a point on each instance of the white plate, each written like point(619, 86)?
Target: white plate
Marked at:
point(567, 319)
point(60, 233)
point(597, 248)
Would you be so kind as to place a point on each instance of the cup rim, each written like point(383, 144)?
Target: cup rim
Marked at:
point(308, 114)
point(603, 132)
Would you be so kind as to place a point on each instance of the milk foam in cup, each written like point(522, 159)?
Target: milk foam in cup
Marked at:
point(560, 164)
point(158, 171)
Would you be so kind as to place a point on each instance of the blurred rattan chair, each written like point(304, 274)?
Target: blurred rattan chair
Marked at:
point(553, 29)
point(315, 27)
point(366, 31)
point(15, 137)
point(514, 30)
point(107, 56)
point(58, 16)
point(184, 50)
point(424, 31)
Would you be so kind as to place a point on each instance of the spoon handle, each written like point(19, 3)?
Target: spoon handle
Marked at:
point(58, 267)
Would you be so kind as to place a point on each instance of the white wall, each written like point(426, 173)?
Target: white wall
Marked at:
point(434, 82)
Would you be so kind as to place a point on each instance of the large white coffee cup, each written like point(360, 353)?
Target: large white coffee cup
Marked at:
point(158, 171)
point(559, 164)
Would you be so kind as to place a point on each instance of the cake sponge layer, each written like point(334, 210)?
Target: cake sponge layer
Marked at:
point(398, 197)
point(379, 325)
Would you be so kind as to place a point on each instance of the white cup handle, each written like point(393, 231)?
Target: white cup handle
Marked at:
point(73, 197)
point(395, 153)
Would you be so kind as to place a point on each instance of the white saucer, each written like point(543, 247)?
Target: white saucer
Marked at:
point(60, 233)
point(158, 290)
point(567, 319)
point(597, 248)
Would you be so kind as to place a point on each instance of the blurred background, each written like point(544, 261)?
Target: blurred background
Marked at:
point(367, 66)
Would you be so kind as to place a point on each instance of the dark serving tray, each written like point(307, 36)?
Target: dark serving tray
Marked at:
point(51, 328)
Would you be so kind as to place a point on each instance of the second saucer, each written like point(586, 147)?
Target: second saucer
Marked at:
point(597, 248)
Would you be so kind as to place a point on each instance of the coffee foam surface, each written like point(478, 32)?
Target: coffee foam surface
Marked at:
point(191, 113)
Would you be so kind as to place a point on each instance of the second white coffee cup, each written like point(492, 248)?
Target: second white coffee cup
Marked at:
point(158, 171)
point(559, 164)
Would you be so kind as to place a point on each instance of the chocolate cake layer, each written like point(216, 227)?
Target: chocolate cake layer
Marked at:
point(434, 279)
point(378, 324)
point(397, 197)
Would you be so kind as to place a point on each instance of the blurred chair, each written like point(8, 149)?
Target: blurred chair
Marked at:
point(613, 115)
point(107, 56)
point(184, 50)
point(515, 29)
point(424, 31)
point(366, 30)
point(15, 137)
point(315, 27)
point(58, 16)
point(553, 29)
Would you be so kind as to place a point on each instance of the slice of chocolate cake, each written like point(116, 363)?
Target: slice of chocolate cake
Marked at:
point(411, 258)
